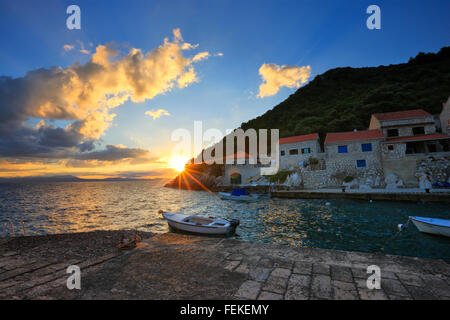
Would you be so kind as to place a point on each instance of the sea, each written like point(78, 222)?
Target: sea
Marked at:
point(42, 208)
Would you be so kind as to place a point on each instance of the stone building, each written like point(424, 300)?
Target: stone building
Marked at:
point(411, 137)
point(294, 151)
point(237, 173)
point(355, 154)
point(399, 149)
point(403, 123)
point(444, 117)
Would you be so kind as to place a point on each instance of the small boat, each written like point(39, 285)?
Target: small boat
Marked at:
point(432, 225)
point(198, 224)
point(238, 194)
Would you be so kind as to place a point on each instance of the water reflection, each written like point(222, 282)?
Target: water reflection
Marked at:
point(344, 224)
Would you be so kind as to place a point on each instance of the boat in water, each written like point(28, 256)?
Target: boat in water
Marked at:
point(432, 225)
point(240, 194)
point(199, 224)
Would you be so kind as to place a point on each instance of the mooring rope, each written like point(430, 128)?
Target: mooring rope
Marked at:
point(401, 227)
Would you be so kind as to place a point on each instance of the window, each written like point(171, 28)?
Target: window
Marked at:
point(282, 153)
point(392, 133)
point(390, 147)
point(432, 146)
point(360, 163)
point(443, 145)
point(342, 149)
point(415, 147)
point(306, 150)
point(293, 151)
point(366, 147)
point(418, 130)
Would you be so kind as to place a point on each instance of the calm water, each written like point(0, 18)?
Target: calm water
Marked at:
point(58, 207)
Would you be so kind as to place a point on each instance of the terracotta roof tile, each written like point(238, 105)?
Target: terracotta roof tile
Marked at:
point(418, 138)
point(305, 137)
point(238, 155)
point(353, 135)
point(408, 114)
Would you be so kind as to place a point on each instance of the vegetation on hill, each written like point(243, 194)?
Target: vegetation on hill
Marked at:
point(343, 99)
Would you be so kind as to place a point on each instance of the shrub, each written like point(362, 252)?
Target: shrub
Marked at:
point(280, 176)
point(348, 179)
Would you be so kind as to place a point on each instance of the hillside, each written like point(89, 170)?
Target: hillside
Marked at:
point(343, 99)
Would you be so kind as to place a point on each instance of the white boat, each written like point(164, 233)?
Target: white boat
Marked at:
point(432, 225)
point(229, 196)
point(198, 224)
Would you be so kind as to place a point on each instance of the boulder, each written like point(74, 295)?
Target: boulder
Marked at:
point(393, 181)
point(293, 180)
point(424, 180)
point(351, 185)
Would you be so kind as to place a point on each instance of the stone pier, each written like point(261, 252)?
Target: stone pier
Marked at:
point(175, 266)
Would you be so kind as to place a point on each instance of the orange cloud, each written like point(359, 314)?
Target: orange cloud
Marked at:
point(86, 93)
point(274, 77)
point(158, 113)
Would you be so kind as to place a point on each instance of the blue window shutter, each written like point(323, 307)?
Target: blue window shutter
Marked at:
point(342, 149)
point(360, 163)
point(366, 147)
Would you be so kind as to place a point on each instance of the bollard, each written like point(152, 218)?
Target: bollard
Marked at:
point(13, 233)
point(23, 229)
point(5, 227)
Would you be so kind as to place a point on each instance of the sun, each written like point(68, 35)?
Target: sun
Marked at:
point(178, 164)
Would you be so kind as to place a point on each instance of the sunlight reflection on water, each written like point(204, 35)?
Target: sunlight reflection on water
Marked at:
point(48, 208)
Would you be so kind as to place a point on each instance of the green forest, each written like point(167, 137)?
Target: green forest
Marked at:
point(343, 99)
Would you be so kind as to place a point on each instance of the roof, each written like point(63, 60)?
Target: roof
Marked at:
point(431, 136)
point(238, 155)
point(305, 137)
point(408, 114)
point(353, 135)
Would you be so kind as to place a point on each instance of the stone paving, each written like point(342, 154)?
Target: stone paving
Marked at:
point(175, 266)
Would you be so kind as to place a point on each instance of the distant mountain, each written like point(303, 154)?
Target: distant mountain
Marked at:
point(66, 178)
point(343, 99)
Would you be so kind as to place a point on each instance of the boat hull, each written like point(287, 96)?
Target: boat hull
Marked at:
point(430, 226)
point(214, 227)
point(228, 196)
point(199, 230)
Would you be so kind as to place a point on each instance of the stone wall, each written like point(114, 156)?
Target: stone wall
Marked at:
point(247, 171)
point(437, 168)
point(398, 152)
point(345, 163)
point(408, 131)
point(289, 162)
point(408, 169)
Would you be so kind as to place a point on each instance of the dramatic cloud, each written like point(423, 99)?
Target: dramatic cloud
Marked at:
point(158, 113)
point(83, 49)
point(114, 153)
point(84, 94)
point(274, 77)
point(200, 56)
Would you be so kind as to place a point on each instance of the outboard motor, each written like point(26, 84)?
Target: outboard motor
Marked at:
point(234, 222)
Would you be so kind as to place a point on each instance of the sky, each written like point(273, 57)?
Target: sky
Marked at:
point(103, 101)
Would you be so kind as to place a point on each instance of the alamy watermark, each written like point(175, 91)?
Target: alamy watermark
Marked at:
point(74, 280)
point(374, 20)
point(374, 280)
point(74, 20)
point(253, 152)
